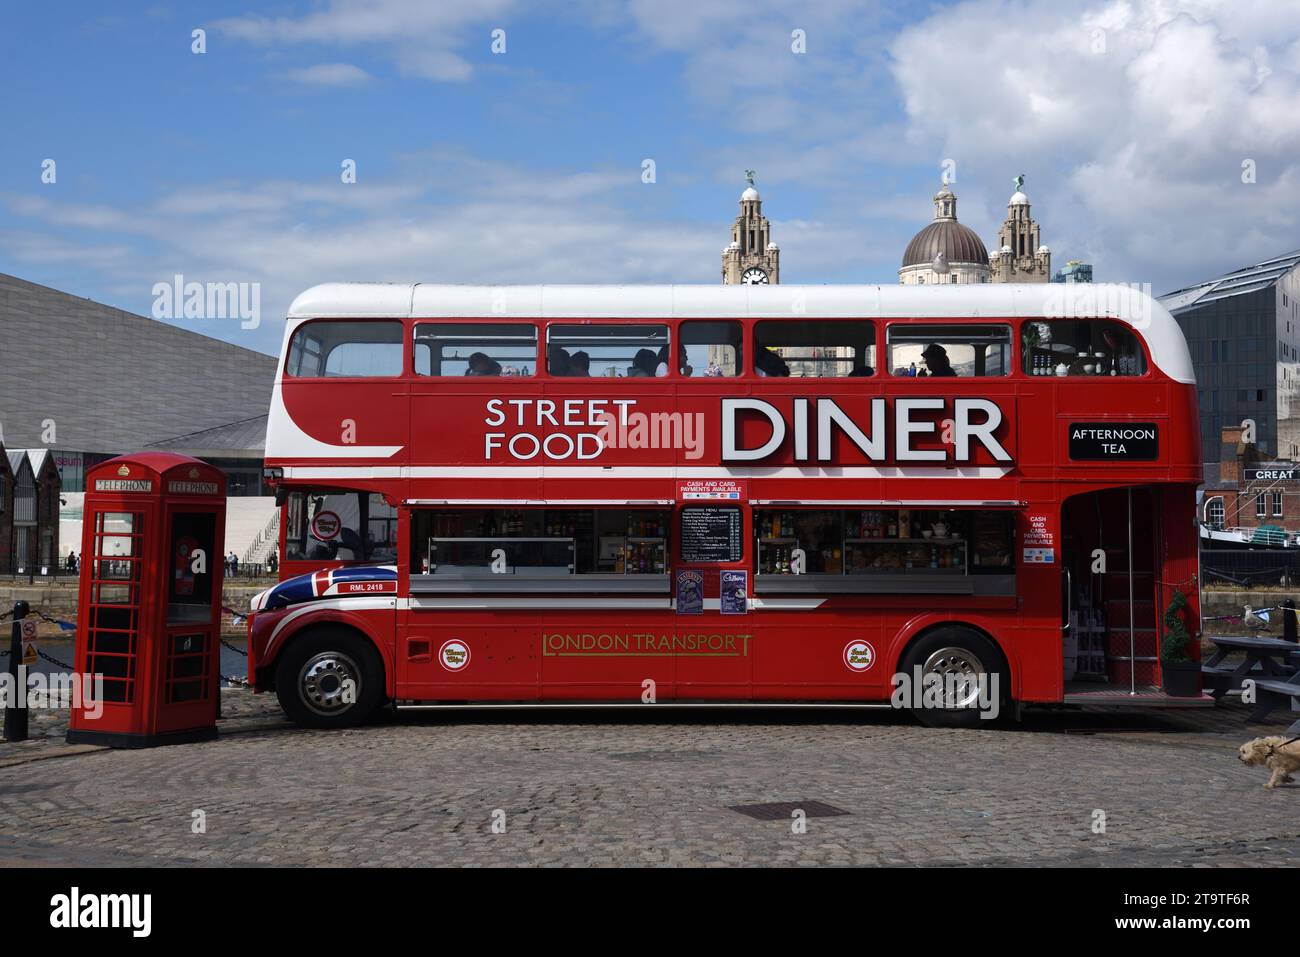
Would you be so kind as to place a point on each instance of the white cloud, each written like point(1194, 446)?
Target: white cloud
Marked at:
point(1131, 119)
point(330, 74)
point(445, 217)
point(422, 36)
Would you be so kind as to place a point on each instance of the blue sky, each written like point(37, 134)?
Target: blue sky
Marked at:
point(1130, 120)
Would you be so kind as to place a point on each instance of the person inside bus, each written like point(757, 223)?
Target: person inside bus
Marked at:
point(557, 361)
point(768, 363)
point(661, 369)
point(643, 365)
point(481, 364)
point(936, 361)
point(349, 547)
point(580, 364)
point(860, 369)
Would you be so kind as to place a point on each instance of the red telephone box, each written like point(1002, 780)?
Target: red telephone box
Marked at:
point(149, 603)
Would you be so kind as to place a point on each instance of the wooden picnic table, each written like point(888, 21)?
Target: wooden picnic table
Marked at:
point(1272, 663)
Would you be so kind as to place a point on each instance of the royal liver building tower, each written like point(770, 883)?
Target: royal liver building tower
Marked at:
point(751, 258)
point(1021, 255)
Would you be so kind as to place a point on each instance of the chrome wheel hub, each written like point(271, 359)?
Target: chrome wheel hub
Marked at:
point(329, 683)
point(960, 674)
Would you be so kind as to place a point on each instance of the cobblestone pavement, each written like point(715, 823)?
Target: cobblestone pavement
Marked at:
point(601, 788)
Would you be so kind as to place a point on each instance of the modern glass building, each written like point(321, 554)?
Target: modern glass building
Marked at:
point(1073, 271)
point(1243, 330)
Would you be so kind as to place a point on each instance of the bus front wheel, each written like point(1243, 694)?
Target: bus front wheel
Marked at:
point(963, 678)
point(329, 678)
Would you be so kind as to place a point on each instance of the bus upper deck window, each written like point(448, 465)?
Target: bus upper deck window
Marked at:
point(829, 348)
point(712, 348)
point(454, 349)
point(609, 351)
point(1081, 347)
point(965, 351)
point(345, 348)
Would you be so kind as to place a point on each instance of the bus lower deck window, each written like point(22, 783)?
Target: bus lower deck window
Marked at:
point(339, 526)
point(547, 542)
point(793, 541)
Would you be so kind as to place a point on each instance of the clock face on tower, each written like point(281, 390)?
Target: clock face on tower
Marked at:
point(753, 276)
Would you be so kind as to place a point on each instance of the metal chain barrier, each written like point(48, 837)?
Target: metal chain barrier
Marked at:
point(242, 651)
point(65, 626)
point(54, 661)
point(231, 679)
point(236, 680)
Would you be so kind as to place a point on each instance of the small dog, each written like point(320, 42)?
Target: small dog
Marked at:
point(1280, 754)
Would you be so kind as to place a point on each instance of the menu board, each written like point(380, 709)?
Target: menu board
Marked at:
point(711, 533)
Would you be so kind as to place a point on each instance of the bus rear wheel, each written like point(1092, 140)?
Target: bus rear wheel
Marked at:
point(959, 670)
point(330, 678)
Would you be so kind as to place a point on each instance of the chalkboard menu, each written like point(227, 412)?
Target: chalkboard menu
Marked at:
point(710, 533)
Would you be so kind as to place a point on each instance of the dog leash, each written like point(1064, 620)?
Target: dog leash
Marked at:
point(1277, 747)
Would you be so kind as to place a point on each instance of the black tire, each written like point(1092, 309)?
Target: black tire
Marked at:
point(959, 651)
point(311, 674)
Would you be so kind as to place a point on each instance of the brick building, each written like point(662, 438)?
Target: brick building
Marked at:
point(1246, 489)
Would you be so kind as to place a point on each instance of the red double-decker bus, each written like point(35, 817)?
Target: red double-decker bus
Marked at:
point(734, 494)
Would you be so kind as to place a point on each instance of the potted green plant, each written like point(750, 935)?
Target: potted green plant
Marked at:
point(1180, 674)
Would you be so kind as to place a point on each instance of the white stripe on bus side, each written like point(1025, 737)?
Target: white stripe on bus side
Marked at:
point(319, 472)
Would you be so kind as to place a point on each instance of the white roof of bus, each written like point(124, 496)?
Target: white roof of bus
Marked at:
point(995, 300)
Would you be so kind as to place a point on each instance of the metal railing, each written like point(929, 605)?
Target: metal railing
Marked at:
point(1246, 568)
point(268, 535)
point(1263, 534)
point(250, 570)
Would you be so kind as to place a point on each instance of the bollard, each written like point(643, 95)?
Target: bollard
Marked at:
point(16, 706)
point(1288, 620)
